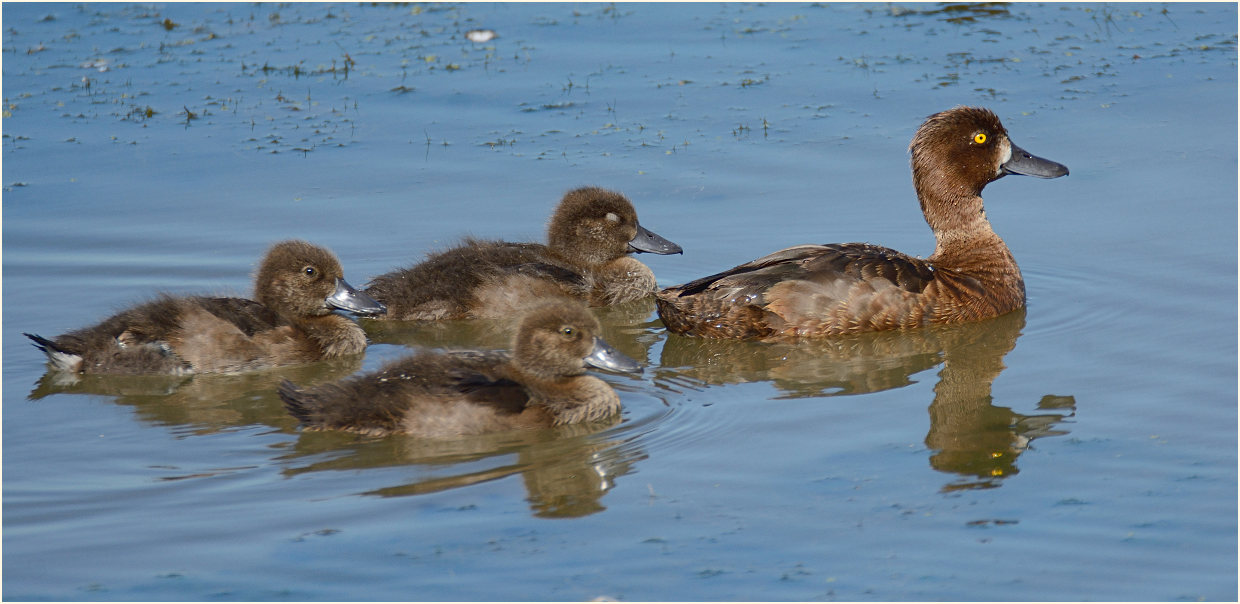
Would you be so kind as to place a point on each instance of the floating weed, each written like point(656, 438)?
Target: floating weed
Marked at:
point(748, 82)
point(950, 79)
point(141, 114)
point(970, 12)
point(500, 143)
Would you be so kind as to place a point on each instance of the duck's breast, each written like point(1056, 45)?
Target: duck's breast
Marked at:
point(622, 280)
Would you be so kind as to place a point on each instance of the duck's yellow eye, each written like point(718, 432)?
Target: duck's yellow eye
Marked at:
point(979, 138)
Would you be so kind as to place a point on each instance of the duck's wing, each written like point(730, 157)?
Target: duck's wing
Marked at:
point(428, 388)
point(483, 379)
point(247, 315)
point(815, 263)
point(833, 288)
point(552, 272)
point(444, 285)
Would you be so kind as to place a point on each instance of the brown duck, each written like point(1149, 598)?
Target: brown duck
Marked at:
point(822, 290)
point(431, 394)
point(589, 240)
point(290, 321)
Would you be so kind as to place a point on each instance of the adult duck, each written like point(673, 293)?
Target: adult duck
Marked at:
point(822, 290)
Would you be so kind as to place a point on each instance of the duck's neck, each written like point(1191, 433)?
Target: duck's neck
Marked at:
point(964, 239)
point(582, 257)
point(335, 335)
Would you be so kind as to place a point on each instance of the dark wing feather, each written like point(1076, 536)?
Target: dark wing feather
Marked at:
point(377, 403)
point(553, 272)
point(785, 256)
point(443, 284)
point(807, 289)
point(249, 316)
point(817, 263)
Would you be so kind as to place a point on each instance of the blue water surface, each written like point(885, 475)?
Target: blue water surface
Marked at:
point(1083, 449)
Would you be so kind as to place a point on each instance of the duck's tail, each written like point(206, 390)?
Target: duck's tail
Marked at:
point(298, 402)
point(60, 359)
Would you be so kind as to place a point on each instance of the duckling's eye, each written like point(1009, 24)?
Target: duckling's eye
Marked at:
point(310, 271)
point(567, 331)
point(979, 138)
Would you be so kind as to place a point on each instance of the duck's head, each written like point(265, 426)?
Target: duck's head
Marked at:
point(560, 338)
point(593, 226)
point(299, 279)
point(959, 151)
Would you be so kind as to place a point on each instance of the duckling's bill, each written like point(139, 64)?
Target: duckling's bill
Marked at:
point(347, 298)
point(605, 357)
point(648, 241)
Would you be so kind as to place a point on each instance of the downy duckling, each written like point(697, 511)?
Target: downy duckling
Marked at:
point(541, 383)
point(290, 321)
point(589, 240)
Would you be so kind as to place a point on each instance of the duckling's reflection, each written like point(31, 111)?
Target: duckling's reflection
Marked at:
point(567, 470)
point(207, 402)
point(970, 436)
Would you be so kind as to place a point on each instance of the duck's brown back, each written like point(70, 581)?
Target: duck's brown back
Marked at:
point(449, 284)
point(428, 395)
point(140, 340)
point(816, 290)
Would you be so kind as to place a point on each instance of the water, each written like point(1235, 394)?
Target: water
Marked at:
point(1084, 449)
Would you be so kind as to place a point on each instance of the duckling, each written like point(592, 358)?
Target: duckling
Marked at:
point(823, 290)
point(541, 383)
point(589, 239)
point(290, 321)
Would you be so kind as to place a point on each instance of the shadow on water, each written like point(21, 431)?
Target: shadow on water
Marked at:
point(566, 470)
point(207, 403)
point(969, 436)
point(627, 327)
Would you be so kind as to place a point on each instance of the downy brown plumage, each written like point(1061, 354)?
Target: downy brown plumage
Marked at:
point(290, 321)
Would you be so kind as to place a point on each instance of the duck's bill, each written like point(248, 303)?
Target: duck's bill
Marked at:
point(1028, 164)
point(352, 300)
point(605, 357)
point(646, 241)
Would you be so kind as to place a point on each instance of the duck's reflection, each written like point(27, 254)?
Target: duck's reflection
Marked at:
point(969, 435)
point(566, 470)
point(206, 402)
